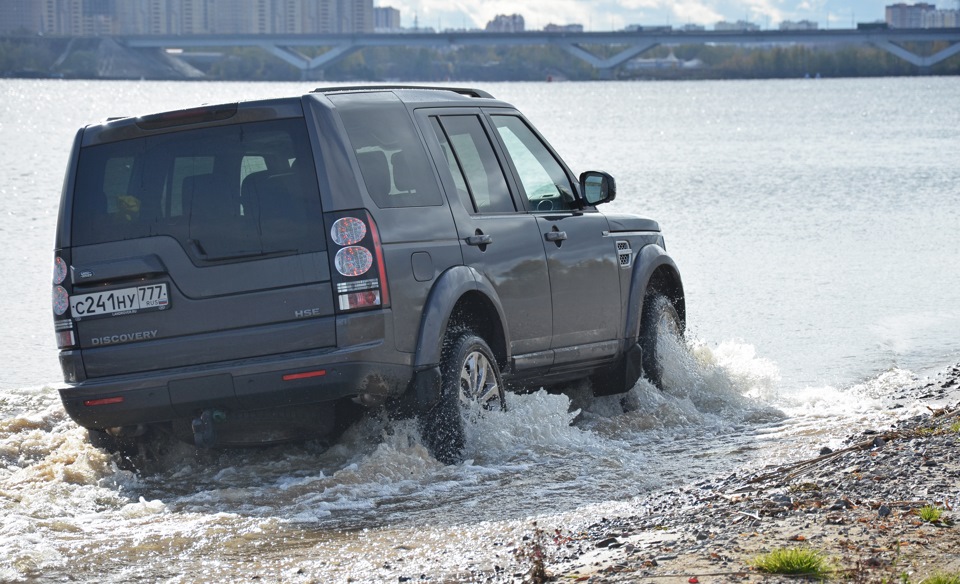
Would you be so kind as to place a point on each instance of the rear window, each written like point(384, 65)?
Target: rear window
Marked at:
point(228, 192)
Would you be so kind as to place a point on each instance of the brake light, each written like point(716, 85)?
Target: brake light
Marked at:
point(188, 116)
point(358, 267)
point(61, 300)
point(66, 336)
point(353, 261)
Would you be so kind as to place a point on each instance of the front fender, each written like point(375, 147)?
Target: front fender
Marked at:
point(649, 260)
point(450, 287)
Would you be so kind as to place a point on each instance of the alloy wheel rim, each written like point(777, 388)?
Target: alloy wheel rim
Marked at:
point(478, 382)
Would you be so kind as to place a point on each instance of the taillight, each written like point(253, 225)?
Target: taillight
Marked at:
point(66, 336)
point(359, 274)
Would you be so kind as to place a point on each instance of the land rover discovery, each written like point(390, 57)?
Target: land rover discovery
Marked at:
point(249, 272)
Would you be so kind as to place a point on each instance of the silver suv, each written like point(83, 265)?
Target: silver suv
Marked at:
point(252, 272)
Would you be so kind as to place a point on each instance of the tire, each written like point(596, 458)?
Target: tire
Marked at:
point(126, 447)
point(470, 380)
point(658, 323)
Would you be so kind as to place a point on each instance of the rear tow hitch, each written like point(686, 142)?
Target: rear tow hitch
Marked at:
point(204, 428)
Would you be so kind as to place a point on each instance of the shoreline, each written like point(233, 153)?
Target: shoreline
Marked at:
point(857, 505)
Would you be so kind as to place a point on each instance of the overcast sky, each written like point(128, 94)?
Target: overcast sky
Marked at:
point(605, 15)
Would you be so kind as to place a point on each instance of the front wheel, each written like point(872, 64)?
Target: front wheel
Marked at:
point(470, 382)
point(661, 331)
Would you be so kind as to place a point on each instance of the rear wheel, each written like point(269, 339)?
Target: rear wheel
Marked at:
point(127, 446)
point(661, 330)
point(470, 382)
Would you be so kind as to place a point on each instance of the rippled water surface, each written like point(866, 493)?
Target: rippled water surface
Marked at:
point(816, 227)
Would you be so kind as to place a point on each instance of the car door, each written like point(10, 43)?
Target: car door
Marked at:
point(582, 259)
point(499, 240)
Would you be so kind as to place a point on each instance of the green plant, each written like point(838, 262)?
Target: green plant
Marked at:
point(930, 514)
point(955, 427)
point(796, 561)
point(942, 578)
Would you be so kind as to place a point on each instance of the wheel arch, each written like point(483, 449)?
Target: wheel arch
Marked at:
point(461, 298)
point(654, 270)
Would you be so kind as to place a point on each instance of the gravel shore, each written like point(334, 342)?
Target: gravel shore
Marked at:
point(857, 505)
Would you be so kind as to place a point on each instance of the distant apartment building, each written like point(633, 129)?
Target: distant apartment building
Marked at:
point(76, 17)
point(920, 15)
point(740, 25)
point(693, 28)
point(20, 16)
point(799, 25)
point(941, 19)
point(386, 19)
point(185, 17)
point(506, 23)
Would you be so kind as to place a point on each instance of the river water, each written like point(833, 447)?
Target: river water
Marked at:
point(817, 227)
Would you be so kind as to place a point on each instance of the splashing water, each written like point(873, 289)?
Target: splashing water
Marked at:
point(377, 498)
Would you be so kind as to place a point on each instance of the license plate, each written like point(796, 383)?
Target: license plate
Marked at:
point(120, 302)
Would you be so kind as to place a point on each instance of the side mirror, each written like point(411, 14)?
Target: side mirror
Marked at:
point(597, 187)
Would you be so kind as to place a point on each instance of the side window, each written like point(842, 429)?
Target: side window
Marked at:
point(473, 163)
point(545, 184)
point(393, 161)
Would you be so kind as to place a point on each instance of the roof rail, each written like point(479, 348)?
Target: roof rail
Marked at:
point(461, 90)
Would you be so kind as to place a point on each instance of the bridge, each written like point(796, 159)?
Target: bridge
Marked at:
point(630, 44)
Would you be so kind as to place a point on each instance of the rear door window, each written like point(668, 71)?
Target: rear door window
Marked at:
point(225, 193)
point(473, 164)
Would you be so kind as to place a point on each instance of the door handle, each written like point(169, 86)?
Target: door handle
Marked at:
point(555, 235)
point(479, 240)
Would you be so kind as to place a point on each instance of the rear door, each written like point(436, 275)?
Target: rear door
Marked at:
point(199, 243)
point(497, 238)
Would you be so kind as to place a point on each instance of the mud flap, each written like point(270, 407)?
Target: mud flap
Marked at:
point(622, 376)
point(423, 393)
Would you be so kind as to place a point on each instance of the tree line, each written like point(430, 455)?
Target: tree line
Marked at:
point(50, 57)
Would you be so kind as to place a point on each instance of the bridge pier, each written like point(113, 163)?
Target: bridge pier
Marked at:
point(306, 64)
point(924, 63)
point(610, 62)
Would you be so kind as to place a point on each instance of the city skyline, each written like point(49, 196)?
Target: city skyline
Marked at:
point(608, 15)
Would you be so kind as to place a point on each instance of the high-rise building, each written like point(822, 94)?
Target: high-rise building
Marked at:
point(907, 15)
point(506, 23)
point(20, 16)
point(386, 18)
point(355, 15)
point(77, 17)
point(185, 17)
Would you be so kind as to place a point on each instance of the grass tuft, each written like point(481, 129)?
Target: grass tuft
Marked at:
point(942, 578)
point(796, 561)
point(930, 514)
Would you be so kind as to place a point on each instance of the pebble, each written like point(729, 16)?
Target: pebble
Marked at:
point(840, 499)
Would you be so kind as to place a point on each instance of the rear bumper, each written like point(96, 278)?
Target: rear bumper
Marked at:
point(252, 384)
